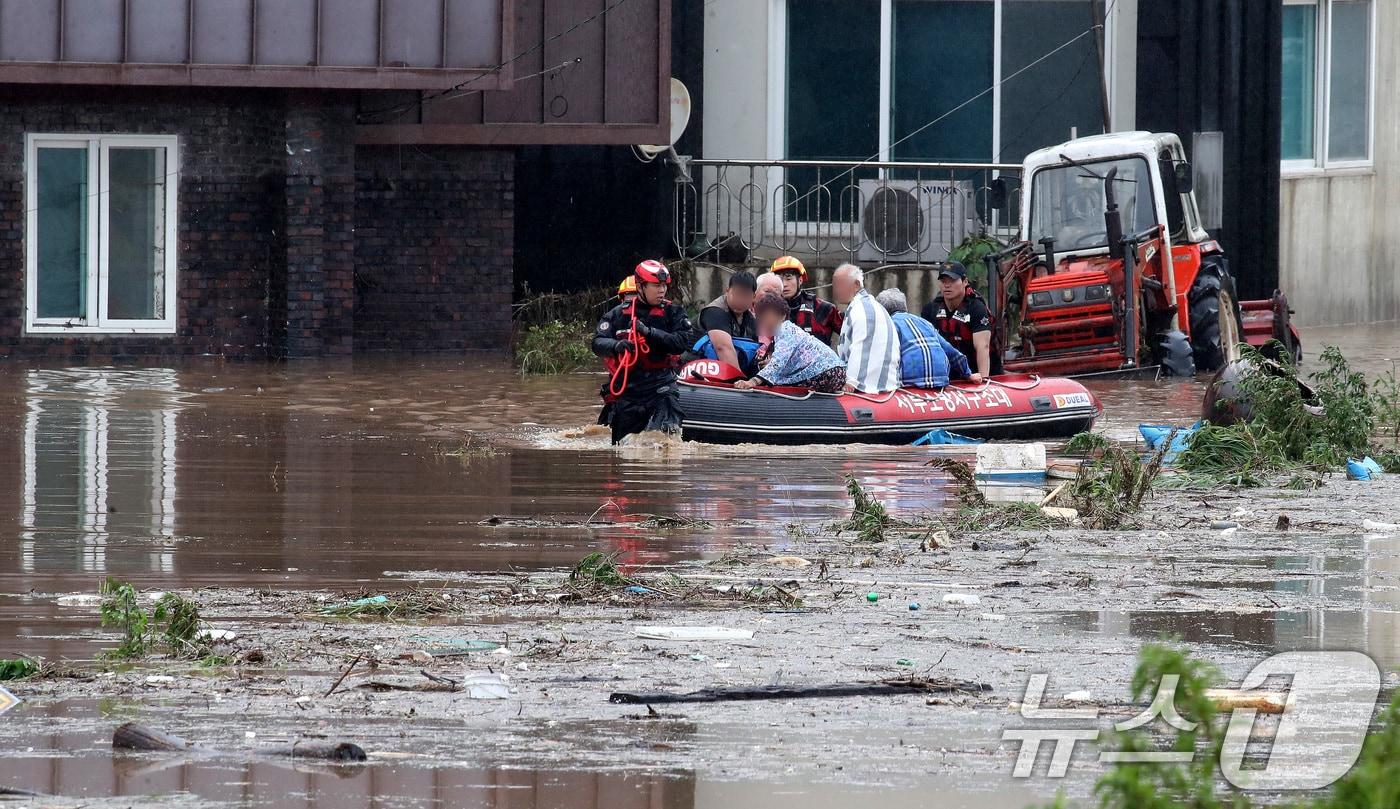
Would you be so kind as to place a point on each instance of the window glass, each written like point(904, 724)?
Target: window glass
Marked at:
point(1042, 105)
point(1299, 75)
point(62, 195)
point(136, 231)
point(942, 57)
point(833, 101)
point(1348, 119)
point(1068, 202)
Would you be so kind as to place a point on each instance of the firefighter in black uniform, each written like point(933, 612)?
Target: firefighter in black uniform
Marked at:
point(817, 317)
point(962, 317)
point(640, 342)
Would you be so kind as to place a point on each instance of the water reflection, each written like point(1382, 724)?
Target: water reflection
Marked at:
point(99, 462)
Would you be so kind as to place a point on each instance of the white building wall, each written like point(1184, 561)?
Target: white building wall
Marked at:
point(1339, 234)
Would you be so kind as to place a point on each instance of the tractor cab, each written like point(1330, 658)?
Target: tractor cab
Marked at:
point(1113, 269)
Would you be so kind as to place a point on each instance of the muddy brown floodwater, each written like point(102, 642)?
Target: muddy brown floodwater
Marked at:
point(264, 491)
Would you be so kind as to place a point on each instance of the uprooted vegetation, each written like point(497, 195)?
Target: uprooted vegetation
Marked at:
point(1287, 432)
point(172, 625)
point(1108, 493)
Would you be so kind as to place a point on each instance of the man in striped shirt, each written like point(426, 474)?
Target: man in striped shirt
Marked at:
point(869, 341)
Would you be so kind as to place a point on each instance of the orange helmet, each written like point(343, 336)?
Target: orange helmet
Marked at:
point(789, 264)
point(652, 271)
point(627, 287)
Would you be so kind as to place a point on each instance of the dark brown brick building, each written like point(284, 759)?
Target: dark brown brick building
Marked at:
point(292, 177)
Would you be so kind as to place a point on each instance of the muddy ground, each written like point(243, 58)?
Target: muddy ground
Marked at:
point(1074, 603)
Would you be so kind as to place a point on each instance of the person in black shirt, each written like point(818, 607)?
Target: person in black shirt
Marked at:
point(964, 320)
point(730, 316)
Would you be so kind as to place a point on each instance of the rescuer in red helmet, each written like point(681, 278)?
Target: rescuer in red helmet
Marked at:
point(639, 342)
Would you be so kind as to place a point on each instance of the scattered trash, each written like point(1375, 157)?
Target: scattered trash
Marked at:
point(962, 599)
point(699, 658)
point(904, 661)
point(789, 561)
point(1284, 523)
point(216, 635)
point(913, 685)
point(691, 633)
point(1364, 469)
point(354, 606)
point(159, 679)
point(1058, 513)
point(1008, 463)
point(79, 600)
point(992, 616)
point(454, 648)
point(872, 597)
point(1078, 696)
point(486, 685)
point(1380, 527)
point(941, 437)
point(1222, 525)
point(637, 589)
point(724, 665)
point(1157, 434)
point(914, 606)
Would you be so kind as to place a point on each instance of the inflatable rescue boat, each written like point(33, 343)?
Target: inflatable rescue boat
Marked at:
point(1012, 407)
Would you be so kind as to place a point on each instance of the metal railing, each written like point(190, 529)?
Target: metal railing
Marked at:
point(829, 211)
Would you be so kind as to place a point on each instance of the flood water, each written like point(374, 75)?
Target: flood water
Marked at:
point(347, 474)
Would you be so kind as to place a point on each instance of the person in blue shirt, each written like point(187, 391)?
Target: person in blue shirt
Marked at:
point(926, 359)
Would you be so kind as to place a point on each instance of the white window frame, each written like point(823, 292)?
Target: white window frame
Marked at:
point(95, 320)
point(1320, 162)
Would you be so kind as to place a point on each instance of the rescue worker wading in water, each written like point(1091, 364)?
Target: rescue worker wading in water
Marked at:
point(639, 342)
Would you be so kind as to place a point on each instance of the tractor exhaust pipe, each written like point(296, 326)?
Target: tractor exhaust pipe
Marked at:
point(1112, 218)
point(1049, 244)
point(1127, 248)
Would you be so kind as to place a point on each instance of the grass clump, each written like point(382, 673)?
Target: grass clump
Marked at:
point(869, 520)
point(1108, 492)
point(555, 347)
point(18, 668)
point(1087, 444)
point(598, 569)
point(172, 625)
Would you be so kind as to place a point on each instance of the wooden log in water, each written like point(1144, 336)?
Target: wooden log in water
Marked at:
point(134, 736)
point(882, 688)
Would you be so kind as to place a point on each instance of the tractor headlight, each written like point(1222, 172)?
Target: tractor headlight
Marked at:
point(1097, 292)
point(1041, 299)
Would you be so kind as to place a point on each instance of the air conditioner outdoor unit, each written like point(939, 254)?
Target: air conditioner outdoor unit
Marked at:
point(914, 221)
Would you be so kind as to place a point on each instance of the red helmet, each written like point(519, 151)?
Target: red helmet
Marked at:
point(652, 271)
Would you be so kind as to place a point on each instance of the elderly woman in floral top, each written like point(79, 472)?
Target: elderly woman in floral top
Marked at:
point(795, 359)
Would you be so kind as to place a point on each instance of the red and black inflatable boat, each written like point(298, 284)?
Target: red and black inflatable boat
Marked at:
point(1012, 407)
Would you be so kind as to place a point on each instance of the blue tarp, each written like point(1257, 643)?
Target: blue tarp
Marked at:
point(1155, 434)
point(940, 437)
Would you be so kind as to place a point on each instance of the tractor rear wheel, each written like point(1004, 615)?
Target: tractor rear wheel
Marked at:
point(1204, 315)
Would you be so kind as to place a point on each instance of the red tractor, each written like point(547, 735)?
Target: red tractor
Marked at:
point(1086, 288)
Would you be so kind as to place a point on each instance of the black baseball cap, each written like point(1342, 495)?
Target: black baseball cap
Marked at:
point(952, 269)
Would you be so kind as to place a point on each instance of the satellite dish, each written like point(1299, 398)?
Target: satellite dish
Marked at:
point(680, 116)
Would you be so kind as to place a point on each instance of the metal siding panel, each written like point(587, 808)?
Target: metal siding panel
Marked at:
point(160, 31)
point(524, 102)
point(474, 32)
point(286, 32)
point(574, 93)
point(410, 28)
point(29, 30)
point(223, 32)
point(630, 64)
point(350, 33)
point(92, 31)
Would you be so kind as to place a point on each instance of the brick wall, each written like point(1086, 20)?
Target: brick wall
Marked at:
point(233, 151)
point(434, 248)
point(292, 242)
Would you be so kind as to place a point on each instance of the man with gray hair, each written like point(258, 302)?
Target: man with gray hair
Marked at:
point(869, 342)
point(926, 359)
